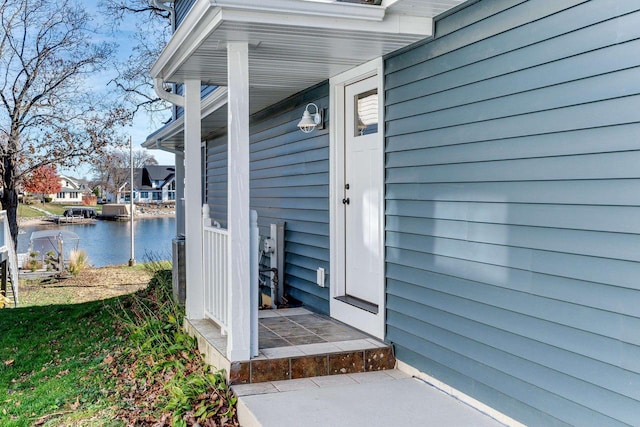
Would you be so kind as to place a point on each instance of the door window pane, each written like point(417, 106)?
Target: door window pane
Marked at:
point(366, 107)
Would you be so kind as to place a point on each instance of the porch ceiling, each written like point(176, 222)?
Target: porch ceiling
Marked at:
point(293, 44)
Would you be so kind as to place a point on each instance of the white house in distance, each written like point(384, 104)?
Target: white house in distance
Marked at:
point(71, 192)
point(152, 184)
point(485, 225)
point(158, 184)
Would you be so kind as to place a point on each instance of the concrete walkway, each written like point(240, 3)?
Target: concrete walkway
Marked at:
point(383, 398)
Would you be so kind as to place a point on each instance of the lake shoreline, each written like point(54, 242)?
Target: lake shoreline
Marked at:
point(42, 220)
point(109, 242)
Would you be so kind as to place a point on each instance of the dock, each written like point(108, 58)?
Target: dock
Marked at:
point(73, 220)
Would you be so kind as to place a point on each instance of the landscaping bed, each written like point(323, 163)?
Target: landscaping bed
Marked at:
point(90, 284)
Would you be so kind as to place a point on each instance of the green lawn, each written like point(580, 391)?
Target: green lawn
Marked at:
point(122, 361)
point(54, 209)
point(50, 361)
point(27, 211)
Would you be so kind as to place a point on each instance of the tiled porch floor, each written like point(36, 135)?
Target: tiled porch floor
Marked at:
point(293, 331)
point(295, 343)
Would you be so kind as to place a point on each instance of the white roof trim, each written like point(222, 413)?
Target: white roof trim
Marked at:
point(322, 8)
point(212, 102)
point(392, 24)
point(201, 21)
point(207, 15)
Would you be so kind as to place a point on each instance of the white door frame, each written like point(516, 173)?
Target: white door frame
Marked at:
point(366, 321)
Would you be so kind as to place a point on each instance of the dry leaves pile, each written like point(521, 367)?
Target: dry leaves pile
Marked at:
point(143, 395)
point(160, 377)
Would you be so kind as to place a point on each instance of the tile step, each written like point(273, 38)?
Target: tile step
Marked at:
point(263, 369)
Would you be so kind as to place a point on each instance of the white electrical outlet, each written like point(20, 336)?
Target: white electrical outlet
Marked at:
point(320, 277)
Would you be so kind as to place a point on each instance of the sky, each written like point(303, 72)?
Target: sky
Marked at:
point(144, 123)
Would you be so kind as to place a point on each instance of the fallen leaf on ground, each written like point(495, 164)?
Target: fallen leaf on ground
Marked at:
point(62, 373)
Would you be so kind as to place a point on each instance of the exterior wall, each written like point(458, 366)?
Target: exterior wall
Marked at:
point(205, 90)
point(289, 182)
point(67, 197)
point(157, 194)
point(512, 208)
point(181, 8)
point(169, 190)
point(70, 192)
point(215, 185)
point(148, 196)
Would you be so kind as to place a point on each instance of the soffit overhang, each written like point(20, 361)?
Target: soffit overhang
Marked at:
point(293, 44)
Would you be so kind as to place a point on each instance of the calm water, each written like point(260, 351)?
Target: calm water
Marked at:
point(108, 242)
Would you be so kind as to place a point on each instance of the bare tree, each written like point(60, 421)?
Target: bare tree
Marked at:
point(46, 116)
point(111, 172)
point(152, 31)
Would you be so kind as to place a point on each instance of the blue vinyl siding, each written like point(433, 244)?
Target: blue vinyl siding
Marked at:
point(205, 90)
point(513, 208)
point(215, 185)
point(289, 182)
point(181, 8)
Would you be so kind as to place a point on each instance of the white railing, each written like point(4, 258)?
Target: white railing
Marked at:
point(8, 246)
point(218, 295)
point(254, 261)
point(216, 277)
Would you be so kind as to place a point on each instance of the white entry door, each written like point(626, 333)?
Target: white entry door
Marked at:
point(363, 193)
point(358, 248)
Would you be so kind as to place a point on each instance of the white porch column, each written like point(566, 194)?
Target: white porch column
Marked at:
point(239, 340)
point(179, 193)
point(193, 194)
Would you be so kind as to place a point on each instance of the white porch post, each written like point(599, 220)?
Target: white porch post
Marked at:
point(239, 340)
point(179, 193)
point(193, 194)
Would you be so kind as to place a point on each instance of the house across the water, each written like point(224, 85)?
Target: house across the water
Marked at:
point(152, 184)
point(72, 190)
point(457, 180)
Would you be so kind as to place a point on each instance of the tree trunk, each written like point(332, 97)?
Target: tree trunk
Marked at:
point(10, 204)
point(10, 198)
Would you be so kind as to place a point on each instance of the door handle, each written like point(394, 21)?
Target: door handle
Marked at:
point(345, 201)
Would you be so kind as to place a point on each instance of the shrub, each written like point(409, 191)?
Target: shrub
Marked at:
point(51, 259)
point(32, 263)
point(4, 301)
point(78, 260)
point(173, 379)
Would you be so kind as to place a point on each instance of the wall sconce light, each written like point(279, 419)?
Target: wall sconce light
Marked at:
point(311, 121)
